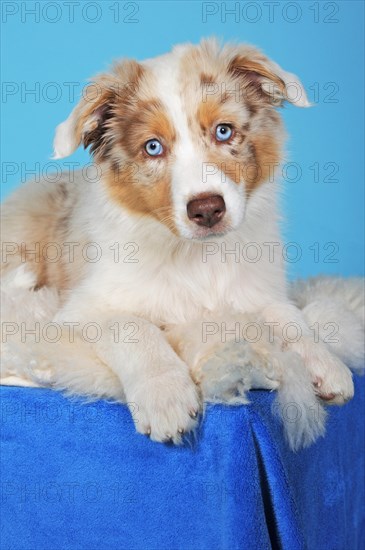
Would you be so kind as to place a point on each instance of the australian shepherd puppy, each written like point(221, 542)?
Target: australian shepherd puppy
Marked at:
point(159, 281)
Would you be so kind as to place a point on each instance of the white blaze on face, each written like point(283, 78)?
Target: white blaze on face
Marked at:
point(191, 173)
point(192, 176)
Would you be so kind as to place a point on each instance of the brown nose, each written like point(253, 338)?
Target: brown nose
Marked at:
point(206, 211)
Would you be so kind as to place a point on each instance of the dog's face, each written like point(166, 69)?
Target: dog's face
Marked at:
point(185, 138)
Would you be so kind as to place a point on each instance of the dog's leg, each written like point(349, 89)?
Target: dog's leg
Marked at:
point(331, 378)
point(157, 384)
point(227, 366)
point(159, 391)
point(283, 324)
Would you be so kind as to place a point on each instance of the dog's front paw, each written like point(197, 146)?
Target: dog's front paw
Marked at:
point(166, 406)
point(331, 379)
point(336, 386)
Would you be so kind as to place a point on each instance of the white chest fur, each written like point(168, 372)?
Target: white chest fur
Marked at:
point(145, 270)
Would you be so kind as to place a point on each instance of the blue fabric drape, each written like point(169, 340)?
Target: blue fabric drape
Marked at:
point(77, 476)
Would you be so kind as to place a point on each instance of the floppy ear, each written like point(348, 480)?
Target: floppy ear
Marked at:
point(89, 121)
point(266, 80)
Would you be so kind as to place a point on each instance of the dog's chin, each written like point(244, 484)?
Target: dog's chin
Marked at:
point(200, 233)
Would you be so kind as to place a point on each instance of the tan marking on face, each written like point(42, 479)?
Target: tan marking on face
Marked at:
point(140, 116)
point(141, 183)
point(134, 179)
point(265, 157)
point(222, 154)
point(206, 79)
point(210, 113)
point(147, 121)
point(248, 157)
point(253, 163)
point(153, 199)
point(227, 164)
point(255, 149)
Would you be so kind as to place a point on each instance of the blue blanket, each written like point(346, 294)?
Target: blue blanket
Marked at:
point(77, 476)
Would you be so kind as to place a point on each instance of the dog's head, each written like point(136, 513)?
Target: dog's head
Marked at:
point(187, 137)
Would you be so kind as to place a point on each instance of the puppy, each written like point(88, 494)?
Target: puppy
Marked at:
point(152, 275)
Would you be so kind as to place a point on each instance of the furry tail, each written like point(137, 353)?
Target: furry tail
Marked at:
point(335, 310)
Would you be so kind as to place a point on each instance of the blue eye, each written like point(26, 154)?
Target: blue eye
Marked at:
point(153, 148)
point(223, 132)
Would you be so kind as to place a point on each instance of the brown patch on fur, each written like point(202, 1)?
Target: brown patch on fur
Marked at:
point(252, 162)
point(249, 157)
point(265, 156)
point(206, 79)
point(253, 168)
point(101, 101)
point(153, 199)
point(120, 115)
point(210, 113)
point(232, 169)
point(139, 182)
point(252, 108)
point(38, 221)
point(252, 72)
point(242, 64)
point(148, 120)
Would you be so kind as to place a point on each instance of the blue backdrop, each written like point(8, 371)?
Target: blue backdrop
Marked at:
point(51, 48)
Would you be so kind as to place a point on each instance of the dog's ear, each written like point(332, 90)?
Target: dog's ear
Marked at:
point(90, 119)
point(265, 80)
